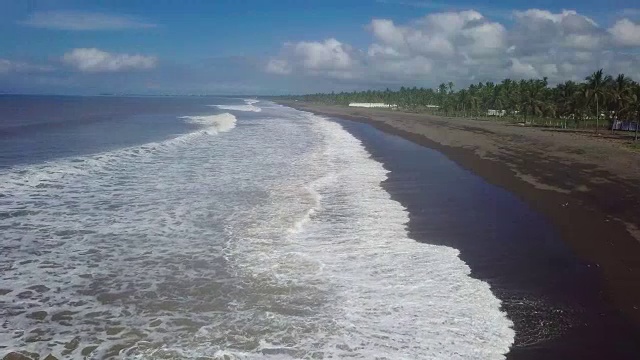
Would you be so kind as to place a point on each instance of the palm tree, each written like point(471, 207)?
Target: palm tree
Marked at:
point(509, 94)
point(596, 90)
point(566, 100)
point(621, 96)
point(474, 99)
point(497, 99)
point(636, 107)
point(524, 98)
point(450, 87)
point(533, 100)
point(463, 98)
point(442, 94)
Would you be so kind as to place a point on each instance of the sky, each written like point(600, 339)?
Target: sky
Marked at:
point(265, 47)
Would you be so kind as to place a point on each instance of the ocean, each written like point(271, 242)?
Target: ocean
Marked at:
point(211, 227)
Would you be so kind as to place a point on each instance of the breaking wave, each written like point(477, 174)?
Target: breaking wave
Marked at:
point(248, 107)
point(216, 123)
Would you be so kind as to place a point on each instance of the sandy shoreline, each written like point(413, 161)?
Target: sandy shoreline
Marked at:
point(588, 187)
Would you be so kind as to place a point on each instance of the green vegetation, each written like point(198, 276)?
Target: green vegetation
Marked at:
point(570, 104)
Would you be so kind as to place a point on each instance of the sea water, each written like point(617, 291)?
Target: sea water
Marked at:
point(217, 228)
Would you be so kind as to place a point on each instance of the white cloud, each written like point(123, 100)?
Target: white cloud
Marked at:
point(95, 60)
point(442, 34)
point(329, 58)
point(626, 33)
point(8, 66)
point(466, 46)
point(484, 39)
point(584, 41)
point(538, 31)
point(549, 70)
point(433, 45)
point(278, 66)
point(328, 55)
point(414, 66)
point(449, 22)
point(385, 31)
point(377, 50)
point(524, 70)
point(82, 21)
point(414, 50)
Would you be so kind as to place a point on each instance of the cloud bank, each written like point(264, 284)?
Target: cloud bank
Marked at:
point(9, 66)
point(95, 60)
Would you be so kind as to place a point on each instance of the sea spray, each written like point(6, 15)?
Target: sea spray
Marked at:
point(216, 123)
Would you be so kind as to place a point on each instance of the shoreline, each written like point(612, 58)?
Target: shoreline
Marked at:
point(590, 215)
point(550, 295)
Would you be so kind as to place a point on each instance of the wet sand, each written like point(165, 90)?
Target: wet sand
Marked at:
point(570, 281)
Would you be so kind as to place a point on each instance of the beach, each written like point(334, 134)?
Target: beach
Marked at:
point(584, 187)
point(211, 236)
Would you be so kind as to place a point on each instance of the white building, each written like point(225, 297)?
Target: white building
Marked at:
point(492, 112)
point(374, 105)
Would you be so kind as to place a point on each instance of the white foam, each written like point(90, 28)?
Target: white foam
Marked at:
point(248, 107)
point(143, 226)
point(217, 123)
point(274, 241)
point(391, 296)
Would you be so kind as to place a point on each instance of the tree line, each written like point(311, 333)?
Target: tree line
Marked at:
point(596, 102)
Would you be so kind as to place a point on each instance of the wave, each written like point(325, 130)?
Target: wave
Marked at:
point(355, 270)
point(251, 108)
point(216, 123)
point(248, 107)
point(295, 253)
point(39, 175)
point(84, 207)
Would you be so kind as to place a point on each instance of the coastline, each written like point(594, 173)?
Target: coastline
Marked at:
point(595, 230)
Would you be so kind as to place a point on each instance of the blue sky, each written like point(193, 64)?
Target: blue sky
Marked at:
point(276, 47)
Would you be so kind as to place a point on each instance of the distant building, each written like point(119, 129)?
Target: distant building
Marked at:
point(374, 105)
point(492, 112)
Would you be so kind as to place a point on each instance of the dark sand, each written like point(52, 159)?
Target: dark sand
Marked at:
point(571, 283)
